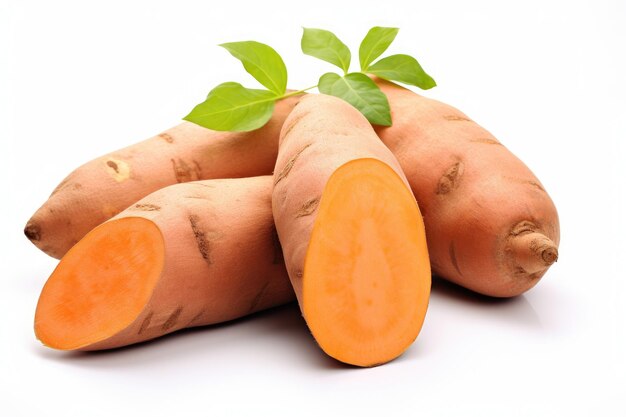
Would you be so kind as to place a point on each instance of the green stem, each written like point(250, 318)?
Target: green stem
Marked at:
point(295, 93)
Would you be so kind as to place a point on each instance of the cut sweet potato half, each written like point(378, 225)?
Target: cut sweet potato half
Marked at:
point(188, 255)
point(366, 278)
point(102, 285)
point(352, 234)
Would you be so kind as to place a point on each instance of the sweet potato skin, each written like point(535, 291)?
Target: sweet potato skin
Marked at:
point(103, 187)
point(222, 257)
point(477, 198)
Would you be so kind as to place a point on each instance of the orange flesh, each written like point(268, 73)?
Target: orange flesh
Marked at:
point(101, 285)
point(366, 278)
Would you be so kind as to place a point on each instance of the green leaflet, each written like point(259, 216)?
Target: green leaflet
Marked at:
point(232, 107)
point(326, 46)
point(360, 91)
point(262, 62)
point(374, 44)
point(402, 68)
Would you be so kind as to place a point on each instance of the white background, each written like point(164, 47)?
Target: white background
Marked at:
point(79, 79)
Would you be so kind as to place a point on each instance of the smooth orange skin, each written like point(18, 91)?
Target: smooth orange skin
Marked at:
point(474, 220)
point(240, 272)
point(93, 193)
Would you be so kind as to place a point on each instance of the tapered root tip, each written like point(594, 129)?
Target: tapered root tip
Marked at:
point(40, 232)
point(550, 255)
point(533, 252)
point(32, 231)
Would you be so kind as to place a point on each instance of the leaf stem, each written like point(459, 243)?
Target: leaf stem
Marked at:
point(295, 93)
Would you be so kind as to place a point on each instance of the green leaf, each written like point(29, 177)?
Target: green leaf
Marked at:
point(403, 68)
point(325, 45)
point(374, 44)
point(326, 82)
point(232, 107)
point(360, 91)
point(262, 62)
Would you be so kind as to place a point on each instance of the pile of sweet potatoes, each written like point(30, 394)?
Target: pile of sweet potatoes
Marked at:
point(194, 227)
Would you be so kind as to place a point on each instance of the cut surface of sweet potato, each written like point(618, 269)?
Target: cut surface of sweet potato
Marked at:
point(101, 285)
point(366, 278)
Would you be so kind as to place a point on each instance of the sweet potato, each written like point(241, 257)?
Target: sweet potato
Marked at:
point(351, 232)
point(490, 224)
point(187, 255)
point(105, 186)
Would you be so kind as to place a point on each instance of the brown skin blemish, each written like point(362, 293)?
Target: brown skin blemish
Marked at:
point(197, 197)
point(145, 323)
point(114, 166)
point(523, 227)
point(204, 185)
point(532, 183)
point(167, 137)
point(451, 178)
point(456, 118)
point(197, 168)
point(486, 141)
point(257, 299)
point(308, 208)
point(118, 169)
point(278, 250)
point(519, 270)
point(453, 259)
point(32, 231)
point(172, 319)
point(146, 207)
point(293, 123)
point(196, 318)
point(536, 185)
point(185, 172)
point(287, 168)
point(201, 239)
